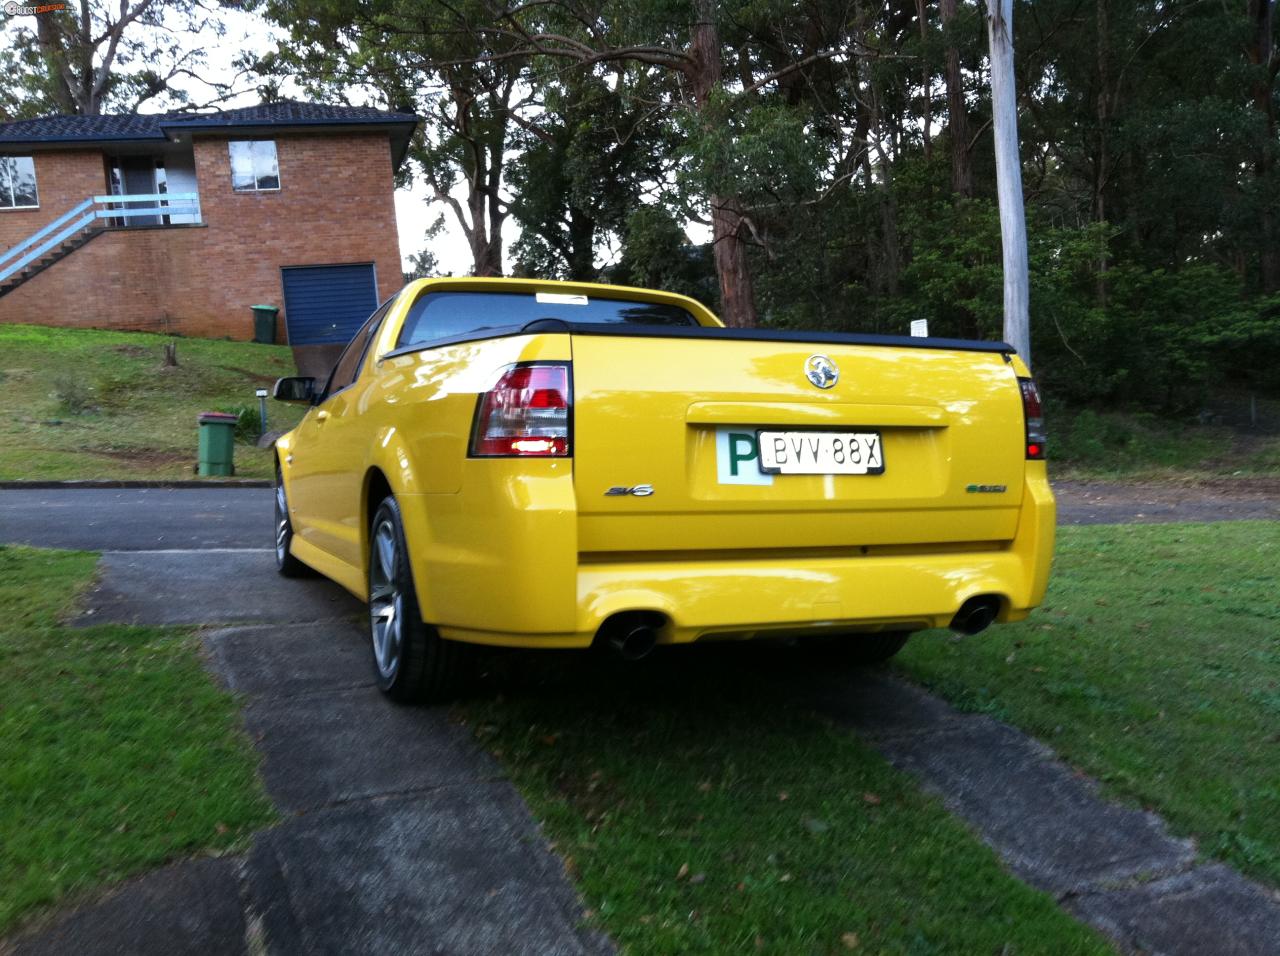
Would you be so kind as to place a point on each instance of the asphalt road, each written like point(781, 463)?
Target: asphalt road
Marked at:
point(152, 519)
point(137, 519)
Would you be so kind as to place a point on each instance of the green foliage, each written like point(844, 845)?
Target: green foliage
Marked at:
point(73, 394)
point(757, 149)
point(657, 254)
point(248, 422)
point(1151, 168)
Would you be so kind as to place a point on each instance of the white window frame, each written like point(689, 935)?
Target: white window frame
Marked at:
point(255, 188)
point(10, 207)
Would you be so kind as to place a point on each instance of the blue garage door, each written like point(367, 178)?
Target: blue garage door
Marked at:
point(327, 303)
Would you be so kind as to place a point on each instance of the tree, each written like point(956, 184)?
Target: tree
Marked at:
point(108, 56)
point(583, 164)
point(766, 51)
point(1265, 60)
point(1013, 219)
point(957, 108)
point(420, 56)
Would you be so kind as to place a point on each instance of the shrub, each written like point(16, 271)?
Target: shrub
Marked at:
point(248, 423)
point(73, 394)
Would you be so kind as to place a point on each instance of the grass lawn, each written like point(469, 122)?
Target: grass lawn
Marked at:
point(1154, 666)
point(117, 751)
point(705, 811)
point(82, 403)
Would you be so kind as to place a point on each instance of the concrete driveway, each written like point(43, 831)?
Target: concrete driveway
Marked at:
point(399, 835)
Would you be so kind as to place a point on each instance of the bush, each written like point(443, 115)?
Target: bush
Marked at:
point(73, 394)
point(248, 423)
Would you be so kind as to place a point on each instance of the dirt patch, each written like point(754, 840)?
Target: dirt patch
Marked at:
point(1206, 499)
point(133, 351)
point(256, 377)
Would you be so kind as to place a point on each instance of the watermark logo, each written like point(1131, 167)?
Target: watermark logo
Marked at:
point(22, 10)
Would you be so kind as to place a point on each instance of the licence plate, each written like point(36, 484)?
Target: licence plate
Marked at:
point(821, 453)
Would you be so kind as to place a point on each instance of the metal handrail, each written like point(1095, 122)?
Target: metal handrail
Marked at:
point(41, 233)
point(175, 204)
point(148, 197)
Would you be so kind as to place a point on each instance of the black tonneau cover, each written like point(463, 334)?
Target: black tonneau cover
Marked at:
point(714, 332)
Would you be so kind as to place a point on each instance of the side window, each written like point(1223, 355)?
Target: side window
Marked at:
point(253, 165)
point(348, 367)
point(441, 315)
point(18, 183)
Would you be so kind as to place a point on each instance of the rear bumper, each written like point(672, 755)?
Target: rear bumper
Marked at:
point(552, 600)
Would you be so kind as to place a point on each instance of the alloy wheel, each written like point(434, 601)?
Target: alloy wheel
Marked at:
point(386, 600)
point(282, 523)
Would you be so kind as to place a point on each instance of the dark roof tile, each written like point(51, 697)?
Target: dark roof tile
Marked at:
point(61, 129)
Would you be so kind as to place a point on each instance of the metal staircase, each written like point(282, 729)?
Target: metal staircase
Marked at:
point(89, 219)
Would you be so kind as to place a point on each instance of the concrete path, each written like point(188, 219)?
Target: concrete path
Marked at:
point(1114, 867)
point(399, 834)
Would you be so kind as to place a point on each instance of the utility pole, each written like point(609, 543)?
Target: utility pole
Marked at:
point(1013, 219)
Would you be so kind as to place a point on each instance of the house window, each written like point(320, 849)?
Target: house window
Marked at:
point(254, 166)
point(18, 183)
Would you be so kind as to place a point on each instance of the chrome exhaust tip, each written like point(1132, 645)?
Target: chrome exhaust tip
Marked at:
point(632, 635)
point(634, 643)
point(976, 615)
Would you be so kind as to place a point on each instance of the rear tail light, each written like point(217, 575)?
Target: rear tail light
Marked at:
point(1033, 412)
point(527, 413)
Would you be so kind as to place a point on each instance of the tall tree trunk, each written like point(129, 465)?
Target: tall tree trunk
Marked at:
point(1013, 220)
point(926, 81)
point(737, 297)
point(957, 112)
point(581, 252)
point(1262, 55)
point(486, 244)
point(1102, 161)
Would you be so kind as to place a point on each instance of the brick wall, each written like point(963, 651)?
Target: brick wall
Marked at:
point(64, 179)
point(334, 206)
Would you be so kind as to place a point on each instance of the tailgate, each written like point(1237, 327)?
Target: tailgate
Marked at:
point(681, 415)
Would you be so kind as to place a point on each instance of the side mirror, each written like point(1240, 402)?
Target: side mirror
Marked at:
point(297, 388)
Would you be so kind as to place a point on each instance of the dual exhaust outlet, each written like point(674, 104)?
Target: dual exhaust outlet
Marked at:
point(633, 636)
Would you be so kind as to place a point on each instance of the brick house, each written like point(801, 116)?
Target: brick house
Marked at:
point(180, 222)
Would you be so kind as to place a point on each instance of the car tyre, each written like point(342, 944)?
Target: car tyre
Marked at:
point(858, 649)
point(412, 664)
point(286, 563)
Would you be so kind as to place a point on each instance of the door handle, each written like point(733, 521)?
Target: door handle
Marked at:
point(322, 415)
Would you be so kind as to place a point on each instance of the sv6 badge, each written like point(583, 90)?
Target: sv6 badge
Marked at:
point(638, 491)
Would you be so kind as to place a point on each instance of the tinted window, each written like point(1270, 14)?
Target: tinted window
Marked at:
point(349, 362)
point(443, 315)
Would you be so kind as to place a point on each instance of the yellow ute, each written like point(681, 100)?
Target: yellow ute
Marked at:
point(546, 464)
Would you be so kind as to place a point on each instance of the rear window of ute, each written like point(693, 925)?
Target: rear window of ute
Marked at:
point(439, 316)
